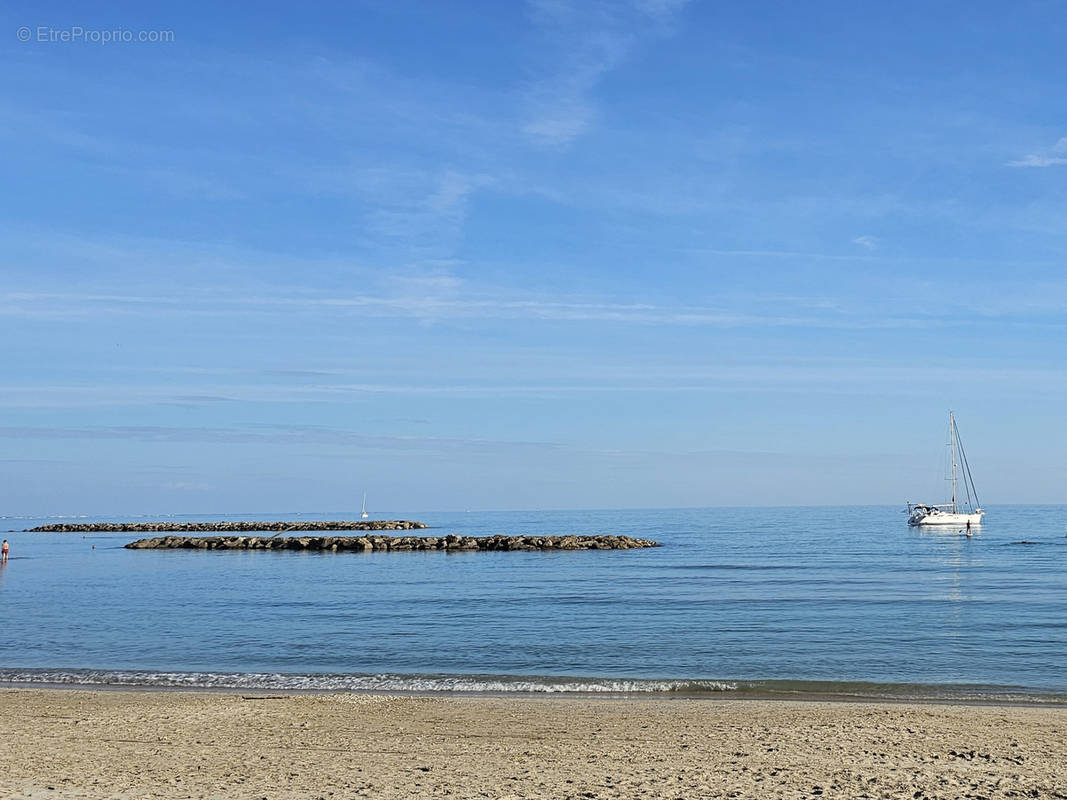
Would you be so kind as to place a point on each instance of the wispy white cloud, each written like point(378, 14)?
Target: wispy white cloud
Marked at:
point(441, 298)
point(1052, 157)
point(560, 380)
point(585, 41)
point(785, 254)
point(426, 212)
point(1037, 160)
point(662, 10)
point(221, 281)
point(270, 434)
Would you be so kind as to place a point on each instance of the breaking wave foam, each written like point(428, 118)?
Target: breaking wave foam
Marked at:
point(389, 683)
point(477, 684)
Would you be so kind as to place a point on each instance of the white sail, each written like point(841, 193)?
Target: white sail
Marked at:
point(363, 513)
point(960, 512)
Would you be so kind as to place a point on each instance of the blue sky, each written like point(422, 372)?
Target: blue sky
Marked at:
point(530, 255)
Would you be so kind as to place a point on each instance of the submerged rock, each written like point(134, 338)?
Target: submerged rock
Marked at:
point(367, 544)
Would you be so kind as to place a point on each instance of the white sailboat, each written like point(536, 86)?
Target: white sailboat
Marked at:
point(961, 512)
point(363, 514)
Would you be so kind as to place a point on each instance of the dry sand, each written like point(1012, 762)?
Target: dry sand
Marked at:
point(116, 744)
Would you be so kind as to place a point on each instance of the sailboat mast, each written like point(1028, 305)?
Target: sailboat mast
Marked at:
point(952, 441)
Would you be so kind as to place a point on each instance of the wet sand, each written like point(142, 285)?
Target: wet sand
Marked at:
point(135, 744)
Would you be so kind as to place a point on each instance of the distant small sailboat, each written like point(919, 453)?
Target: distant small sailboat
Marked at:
point(961, 512)
point(363, 514)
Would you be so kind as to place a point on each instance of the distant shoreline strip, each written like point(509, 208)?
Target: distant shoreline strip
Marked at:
point(437, 684)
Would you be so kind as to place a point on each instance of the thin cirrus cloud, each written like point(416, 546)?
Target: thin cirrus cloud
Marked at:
point(1052, 157)
point(425, 210)
point(585, 41)
point(553, 381)
point(430, 309)
point(271, 434)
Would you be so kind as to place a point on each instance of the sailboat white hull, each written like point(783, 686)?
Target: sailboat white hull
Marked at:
point(948, 514)
point(946, 518)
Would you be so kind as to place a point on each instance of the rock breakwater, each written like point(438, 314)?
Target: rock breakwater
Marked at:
point(228, 526)
point(394, 544)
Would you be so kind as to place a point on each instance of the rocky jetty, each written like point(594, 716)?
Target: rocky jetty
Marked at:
point(228, 527)
point(392, 544)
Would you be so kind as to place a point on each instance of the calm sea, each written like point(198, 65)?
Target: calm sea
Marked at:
point(780, 600)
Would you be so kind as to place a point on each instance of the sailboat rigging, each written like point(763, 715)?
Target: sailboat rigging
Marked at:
point(363, 514)
point(960, 512)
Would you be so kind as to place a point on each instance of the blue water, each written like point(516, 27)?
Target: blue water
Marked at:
point(841, 598)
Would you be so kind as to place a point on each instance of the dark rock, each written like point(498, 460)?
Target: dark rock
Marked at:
point(228, 526)
point(367, 544)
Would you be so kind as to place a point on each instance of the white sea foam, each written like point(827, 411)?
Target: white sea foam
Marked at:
point(386, 683)
point(479, 684)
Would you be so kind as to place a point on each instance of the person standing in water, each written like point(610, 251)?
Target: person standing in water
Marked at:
point(3, 552)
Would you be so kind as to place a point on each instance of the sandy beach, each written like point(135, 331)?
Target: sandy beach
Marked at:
point(135, 744)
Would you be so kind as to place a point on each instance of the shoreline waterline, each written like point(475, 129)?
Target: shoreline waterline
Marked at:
point(528, 686)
